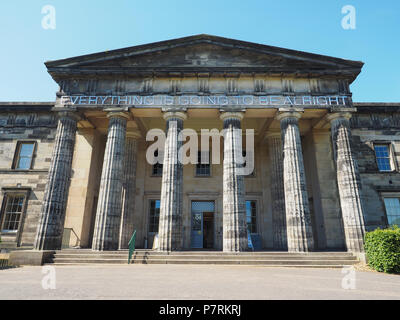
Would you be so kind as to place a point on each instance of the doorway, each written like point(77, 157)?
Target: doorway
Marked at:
point(202, 233)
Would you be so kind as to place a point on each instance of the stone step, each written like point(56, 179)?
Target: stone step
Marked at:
point(258, 258)
point(205, 261)
point(201, 257)
point(57, 260)
point(221, 254)
point(153, 253)
point(246, 262)
point(245, 258)
point(265, 266)
point(7, 248)
point(8, 245)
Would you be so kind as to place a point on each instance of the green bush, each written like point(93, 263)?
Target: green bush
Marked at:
point(382, 248)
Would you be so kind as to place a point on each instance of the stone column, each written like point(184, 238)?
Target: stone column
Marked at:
point(234, 204)
point(108, 215)
point(128, 188)
point(298, 219)
point(51, 224)
point(170, 224)
point(348, 179)
point(275, 156)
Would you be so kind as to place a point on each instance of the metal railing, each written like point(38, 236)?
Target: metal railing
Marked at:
point(66, 239)
point(4, 264)
point(131, 246)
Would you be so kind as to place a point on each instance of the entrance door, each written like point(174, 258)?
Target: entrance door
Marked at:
point(208, 230)
point(202, 234)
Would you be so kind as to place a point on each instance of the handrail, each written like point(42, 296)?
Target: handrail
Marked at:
point(131, 246)
point(78, 241)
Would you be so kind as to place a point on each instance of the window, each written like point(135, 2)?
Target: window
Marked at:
point(392, 210)
point(12, 213)
point(24, 155)
point(383, 159)
point(251, 216)
point(154, 215)
point(158, 167)
point(203, 169)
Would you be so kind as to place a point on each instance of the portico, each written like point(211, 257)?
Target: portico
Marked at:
point(103, 187)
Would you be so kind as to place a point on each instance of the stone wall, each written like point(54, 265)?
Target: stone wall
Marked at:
point(84, 188)
point(323, 191)
point(202, 188)
point(32, 126)
point(379, 125)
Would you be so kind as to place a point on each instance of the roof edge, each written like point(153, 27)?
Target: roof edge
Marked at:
point(376, 104)
point(25, 103)
point(205, 37)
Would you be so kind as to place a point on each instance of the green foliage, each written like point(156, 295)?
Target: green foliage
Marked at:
point(383, 249)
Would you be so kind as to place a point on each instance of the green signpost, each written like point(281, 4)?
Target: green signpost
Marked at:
point(131, 246)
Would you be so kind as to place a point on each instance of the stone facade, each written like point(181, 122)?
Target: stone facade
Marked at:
point(315, 185)
point(26, 122)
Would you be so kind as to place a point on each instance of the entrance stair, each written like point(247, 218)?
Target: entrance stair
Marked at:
point(258, 258)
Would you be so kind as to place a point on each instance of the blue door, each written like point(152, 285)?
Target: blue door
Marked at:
point(197, 229)
point(197, 233)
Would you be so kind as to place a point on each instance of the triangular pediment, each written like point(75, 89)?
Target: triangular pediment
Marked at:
point(205, 53)
point(197, 55)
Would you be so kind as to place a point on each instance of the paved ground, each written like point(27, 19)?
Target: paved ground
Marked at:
point(195, 282)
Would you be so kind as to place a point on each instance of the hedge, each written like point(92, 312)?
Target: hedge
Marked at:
point(382, 248)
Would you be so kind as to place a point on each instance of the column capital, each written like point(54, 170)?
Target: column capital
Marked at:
point(118, 114)
point(288, 114)
point(229, 114)
point(337, 115)
point(273, 134)
point(174, 114)
point(69, 114)
point(133, 134)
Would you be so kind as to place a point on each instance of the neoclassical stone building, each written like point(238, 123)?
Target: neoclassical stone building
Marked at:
point(73, 173)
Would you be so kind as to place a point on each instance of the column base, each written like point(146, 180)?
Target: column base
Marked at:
point(361, 256)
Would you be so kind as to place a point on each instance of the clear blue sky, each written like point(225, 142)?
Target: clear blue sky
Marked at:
point(88, 26)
